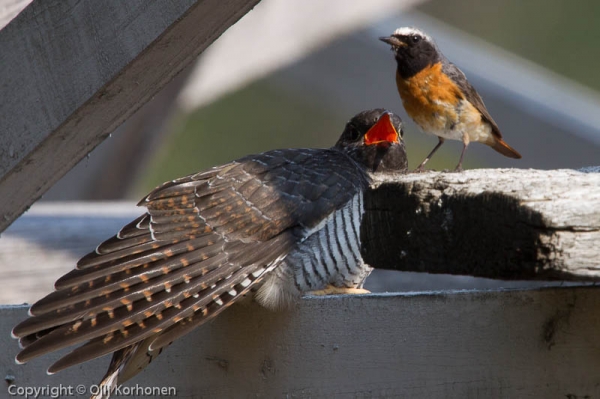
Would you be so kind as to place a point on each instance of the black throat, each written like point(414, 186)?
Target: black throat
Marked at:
point(412, 62)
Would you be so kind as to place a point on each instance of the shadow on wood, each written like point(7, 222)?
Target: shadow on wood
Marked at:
point(495, 223)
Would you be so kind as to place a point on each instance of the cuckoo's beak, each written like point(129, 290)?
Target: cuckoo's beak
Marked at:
point(382, 132)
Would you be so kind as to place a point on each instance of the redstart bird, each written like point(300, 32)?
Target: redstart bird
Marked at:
point(286, 222)
point(438, 96)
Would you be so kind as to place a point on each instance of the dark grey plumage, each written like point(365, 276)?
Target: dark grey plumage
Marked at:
point(205, 240)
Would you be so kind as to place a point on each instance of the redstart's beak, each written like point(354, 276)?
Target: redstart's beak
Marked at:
point(382, 132)
point(393, 41)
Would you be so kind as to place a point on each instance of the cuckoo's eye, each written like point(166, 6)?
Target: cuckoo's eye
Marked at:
point(415, 39)
point(353, 134)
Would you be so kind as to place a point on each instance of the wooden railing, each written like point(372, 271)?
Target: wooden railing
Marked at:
point(499, 344)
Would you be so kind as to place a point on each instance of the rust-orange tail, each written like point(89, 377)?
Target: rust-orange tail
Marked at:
point(504, 149)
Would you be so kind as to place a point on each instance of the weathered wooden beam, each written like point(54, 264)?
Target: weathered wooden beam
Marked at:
point(496, 223)
point(72, 71)
point(498, 344)
point(501, 224)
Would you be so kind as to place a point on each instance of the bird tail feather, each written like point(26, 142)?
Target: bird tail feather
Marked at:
point(106, 386)
point(504, 149)
point(124, 365)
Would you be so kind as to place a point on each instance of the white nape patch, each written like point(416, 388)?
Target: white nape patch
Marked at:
point(410, 31)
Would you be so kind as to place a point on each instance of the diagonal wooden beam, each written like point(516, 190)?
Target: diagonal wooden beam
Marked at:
point(72, 71)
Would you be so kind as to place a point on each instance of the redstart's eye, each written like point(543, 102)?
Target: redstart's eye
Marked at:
point(415, 39)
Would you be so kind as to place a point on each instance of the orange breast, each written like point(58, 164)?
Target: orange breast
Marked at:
point(430, 98)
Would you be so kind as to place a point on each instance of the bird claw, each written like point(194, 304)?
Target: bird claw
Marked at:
point(421, 169)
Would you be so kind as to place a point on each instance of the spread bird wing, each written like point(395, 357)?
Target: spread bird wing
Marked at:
point(471, 95)
point(205, 240)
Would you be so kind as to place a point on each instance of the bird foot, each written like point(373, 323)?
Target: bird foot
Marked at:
point(331, 290)
point(421, 169)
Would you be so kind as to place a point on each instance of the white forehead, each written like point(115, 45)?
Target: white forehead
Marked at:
point(410, 31)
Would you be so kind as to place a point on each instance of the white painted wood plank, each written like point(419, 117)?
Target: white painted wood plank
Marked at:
point(511, 344)
point(48, 240)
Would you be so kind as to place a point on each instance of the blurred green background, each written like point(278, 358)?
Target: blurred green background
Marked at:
point(561, 35)
point(254, 119)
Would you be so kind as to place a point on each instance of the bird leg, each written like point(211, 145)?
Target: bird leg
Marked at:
point(462, 154)
point(421, 167)
point(332, 290)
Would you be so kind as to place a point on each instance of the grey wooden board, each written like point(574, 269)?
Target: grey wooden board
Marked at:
point(72, 71)
point(498, 344)
point(47, 241)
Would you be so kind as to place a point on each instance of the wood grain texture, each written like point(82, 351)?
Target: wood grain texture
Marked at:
point(72, 71)
point(498, 344)
point(500, 223)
